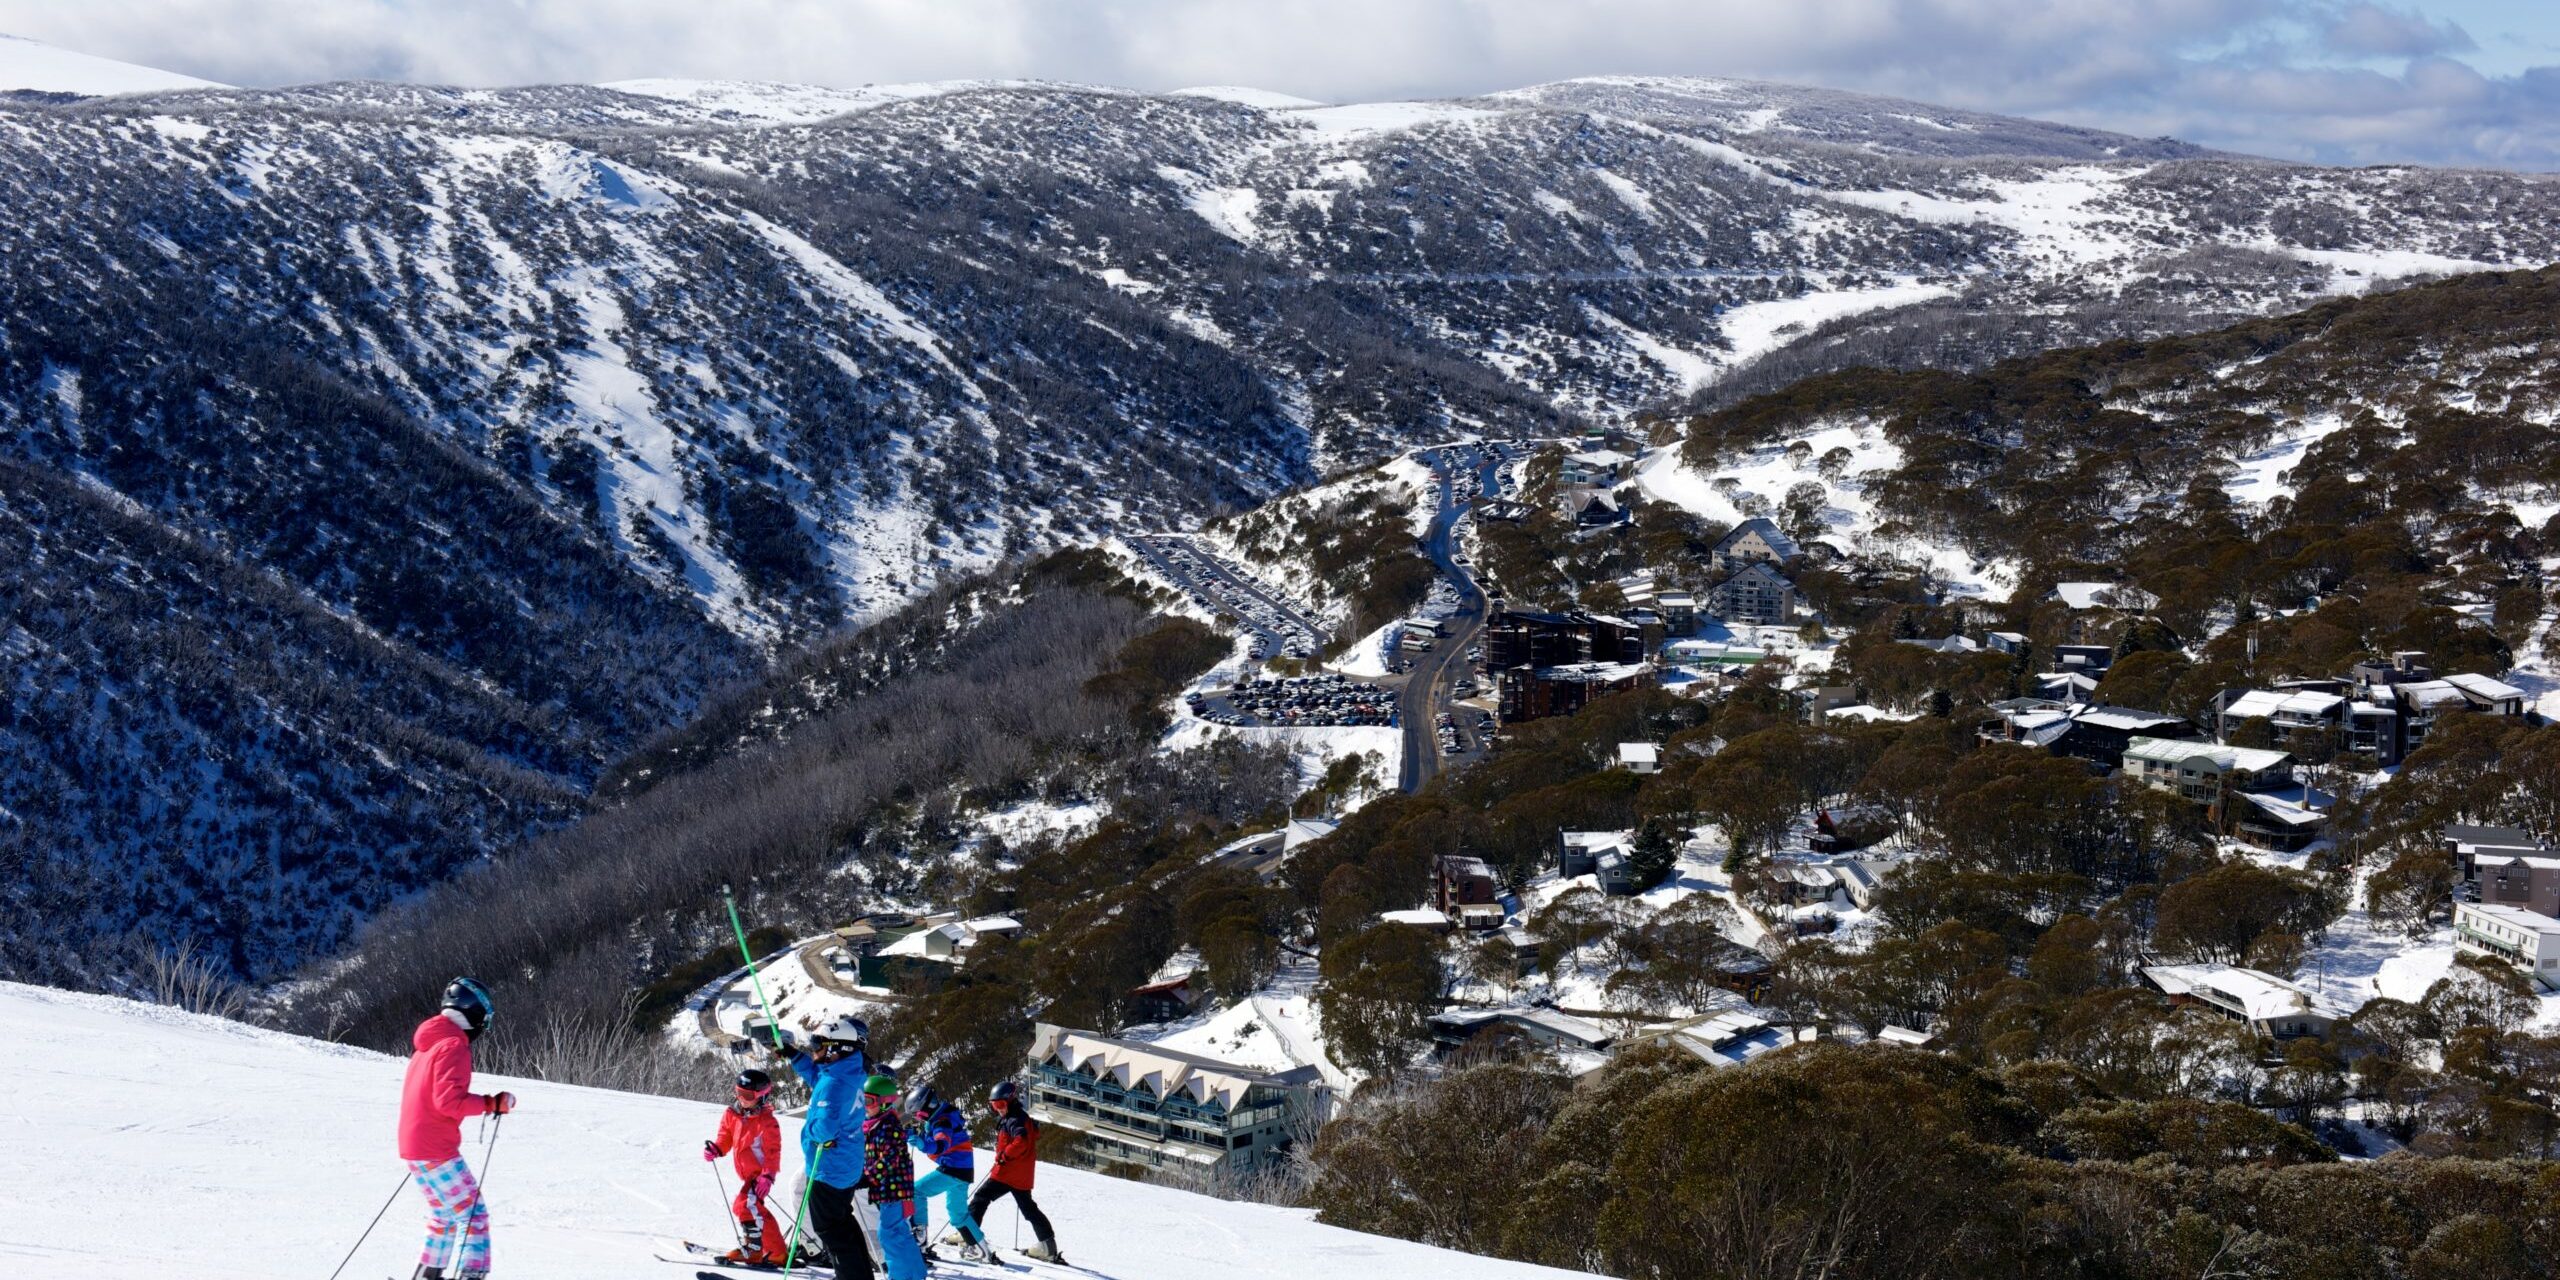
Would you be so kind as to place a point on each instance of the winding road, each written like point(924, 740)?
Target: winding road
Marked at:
point(1425, 689)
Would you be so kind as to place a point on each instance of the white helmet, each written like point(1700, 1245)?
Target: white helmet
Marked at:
point(845, 1027)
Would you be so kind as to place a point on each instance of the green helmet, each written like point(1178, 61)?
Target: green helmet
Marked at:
point(882, 1085)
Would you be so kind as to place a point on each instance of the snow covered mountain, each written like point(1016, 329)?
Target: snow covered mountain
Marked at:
point(395, 457)
point(34, 67)
point(261, 1154)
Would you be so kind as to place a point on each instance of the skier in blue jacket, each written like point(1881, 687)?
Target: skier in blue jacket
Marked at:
point(941, 1132)
point(837, 1063)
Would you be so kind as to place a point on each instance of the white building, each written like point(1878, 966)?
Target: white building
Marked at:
point(1640, 757)
point(2529, 940)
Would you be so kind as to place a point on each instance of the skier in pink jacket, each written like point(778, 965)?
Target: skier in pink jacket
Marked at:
point(435, 1098)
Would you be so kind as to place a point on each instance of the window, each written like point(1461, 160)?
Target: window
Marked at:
point(1240, 1140)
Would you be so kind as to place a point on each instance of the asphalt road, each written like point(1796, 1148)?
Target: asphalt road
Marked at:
point(1426, 688)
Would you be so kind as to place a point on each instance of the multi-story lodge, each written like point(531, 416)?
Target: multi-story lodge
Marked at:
point(1137, 1103)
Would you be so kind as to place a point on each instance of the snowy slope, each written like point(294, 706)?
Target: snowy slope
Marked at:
point(148, 1143)
point(34, 65)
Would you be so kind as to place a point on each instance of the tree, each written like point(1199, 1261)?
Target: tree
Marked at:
point(2222, 913)
point(1377, 987)
point(1654, 853)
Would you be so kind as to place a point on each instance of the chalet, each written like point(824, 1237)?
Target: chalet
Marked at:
point(1477, 1035)
point(2004, 641)
point(1603, 468)
point(2505, 866)
point(1955, 644)
point(1578, 853)
point(1640, 757)
point(2282, 821)
point(2068, 686)
point(1136, 1103)
point(2273, 1007)
point(1757, 595)
point(1590, 508)
point(1757, 540)
point(2528, 940)
point(1166, 1001)
point(1430, 918)
point(1524, 946)
point(1679, 611)
point(1464, 889)
point(2205, 772)
point(924, 955)
point(2084, 659)
point(2096, 733)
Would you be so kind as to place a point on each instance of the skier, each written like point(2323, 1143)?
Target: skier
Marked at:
point(890, 1174)
point(748, 1128)
point(435, 1098)
point(1017, 1157)
point(835, 1067)
point(941, 1132)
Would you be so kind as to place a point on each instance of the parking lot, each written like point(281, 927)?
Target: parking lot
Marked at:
point(1278, 628)
point(1297, 702)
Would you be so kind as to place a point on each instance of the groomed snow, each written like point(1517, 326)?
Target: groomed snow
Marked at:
point(144, 1143)
point(1245, 95)
point(34, 65)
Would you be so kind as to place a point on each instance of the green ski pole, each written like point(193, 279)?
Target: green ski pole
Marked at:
point(791, 1263)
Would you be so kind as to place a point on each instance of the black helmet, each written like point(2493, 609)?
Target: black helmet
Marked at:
point(754, 1081)
point(1004, 1092)
point(923, 1101)
point(471, 1000)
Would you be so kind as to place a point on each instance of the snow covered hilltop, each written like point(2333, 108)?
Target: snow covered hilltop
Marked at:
point(216, 1151)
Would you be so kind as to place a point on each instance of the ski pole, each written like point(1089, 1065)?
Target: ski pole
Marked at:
point(771, 1023)
point(736, 1231)
point(368, 1227)
point(791, 1263)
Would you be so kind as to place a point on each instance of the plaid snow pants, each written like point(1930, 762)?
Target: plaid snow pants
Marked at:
point(453, 1208)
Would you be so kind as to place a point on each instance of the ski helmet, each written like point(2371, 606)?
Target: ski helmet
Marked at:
point(1005, 1091)
point(844, 1027)
point(880, 1087)
point(923, 1101)
point(753, 1085)
point(471, 1000)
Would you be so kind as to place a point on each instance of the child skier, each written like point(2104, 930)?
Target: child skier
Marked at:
point(941, 1132)
point(748, 1129)
point(435, 1098)
point(1017, 1157)
point(891, 1176)
point(836, 1067)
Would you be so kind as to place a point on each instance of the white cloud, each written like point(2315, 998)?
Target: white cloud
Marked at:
point(2249, 74)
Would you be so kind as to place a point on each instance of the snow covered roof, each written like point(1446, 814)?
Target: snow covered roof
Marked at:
point(1163, 1072)
point(2128, 718)
point(2103, 595)
point(1599, 458)
point(1595, 841)
point(2257, 996)
point(1639, 753)
point(1423, 916)
point(2269, 703)
point(1947, 644)
point(1769, 532)
point(2290, 812)
point(2067, 680)
point(1727, 1038)
point(2512, 917)
point(1595, 672)
point(2504, 858)
point(1564, 1026)
point(2174, 751)
point(2480, 686)
point(992, 924)
point(2431, 693)
point(920, 943)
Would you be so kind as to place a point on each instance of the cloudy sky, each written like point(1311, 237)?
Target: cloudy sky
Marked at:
point(2345, 81)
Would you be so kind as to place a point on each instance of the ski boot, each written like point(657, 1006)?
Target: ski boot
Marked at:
point(1045, 1251)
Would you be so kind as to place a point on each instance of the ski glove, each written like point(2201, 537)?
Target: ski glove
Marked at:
point(764, 1185)
point(501, 1103)
point(710, 1150)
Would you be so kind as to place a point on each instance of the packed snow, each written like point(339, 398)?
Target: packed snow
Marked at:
point(35, 66)
point(2262, 475)
point(242, 1153)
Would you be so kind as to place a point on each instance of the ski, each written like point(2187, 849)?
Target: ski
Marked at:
point(703, 1255)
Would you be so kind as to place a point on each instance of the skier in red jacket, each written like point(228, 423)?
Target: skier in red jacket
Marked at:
point(1017, 1159)
point(435, 1098)
point(752, 1138)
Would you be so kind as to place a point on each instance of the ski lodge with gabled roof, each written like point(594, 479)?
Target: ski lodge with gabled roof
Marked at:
point(1135, 1103)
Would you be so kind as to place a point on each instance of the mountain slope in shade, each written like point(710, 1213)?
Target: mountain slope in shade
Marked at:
point(263, 1154)
point(32, 66)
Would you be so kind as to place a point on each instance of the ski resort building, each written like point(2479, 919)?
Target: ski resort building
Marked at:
point(1137, 1103)
point(2528, 940)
